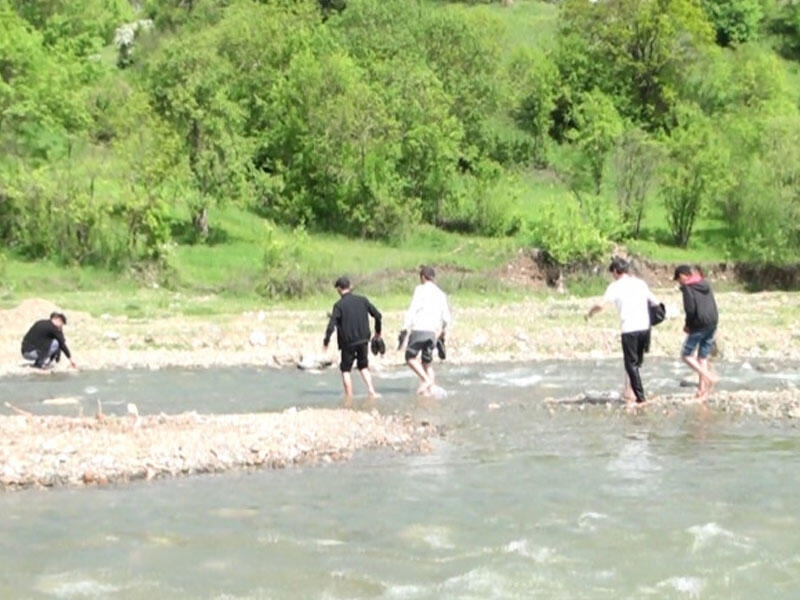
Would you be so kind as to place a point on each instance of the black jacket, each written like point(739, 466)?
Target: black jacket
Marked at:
point(39, 337)
point(699, 306)
point(351, 321)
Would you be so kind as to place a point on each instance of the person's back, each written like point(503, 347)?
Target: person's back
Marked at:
point(428, 310)
point(39, 335)
point(699, 305)
point(630, 295)
point(352, 327)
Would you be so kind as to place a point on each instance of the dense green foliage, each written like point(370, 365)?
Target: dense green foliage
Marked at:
point(124, 126)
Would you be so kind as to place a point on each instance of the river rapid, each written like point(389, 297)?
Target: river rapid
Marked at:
point(518, 499)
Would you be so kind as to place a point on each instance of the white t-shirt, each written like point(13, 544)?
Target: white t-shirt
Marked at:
point(631, 297)
point(428, 310)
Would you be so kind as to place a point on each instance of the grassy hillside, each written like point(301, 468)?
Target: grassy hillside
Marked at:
point(112, 150)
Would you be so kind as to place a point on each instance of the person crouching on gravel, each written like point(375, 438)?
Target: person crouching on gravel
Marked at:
point(44, 342)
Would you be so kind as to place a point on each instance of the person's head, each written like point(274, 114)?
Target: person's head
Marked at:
point(342, 285)
point(426, 273)
point(619, 267)
point(58, 319)
point(682, 273)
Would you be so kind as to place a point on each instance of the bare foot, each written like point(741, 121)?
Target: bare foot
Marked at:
point(711, 383)
point(373, 395)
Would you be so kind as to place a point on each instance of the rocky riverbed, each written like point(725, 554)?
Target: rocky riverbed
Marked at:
point(763, 326)
point(48, 451)
point(775, 404)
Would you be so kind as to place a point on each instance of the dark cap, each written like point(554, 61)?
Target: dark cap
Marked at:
point(59, 315)
point(343, 283)
point(682, 270)
point(427, 272)
point(618, 265)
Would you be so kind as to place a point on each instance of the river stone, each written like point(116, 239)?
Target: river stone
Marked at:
point(258, 338)
point(314, 362)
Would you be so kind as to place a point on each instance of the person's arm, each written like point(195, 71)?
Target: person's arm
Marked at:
point(596, 308)
point(376, 314)
point(689, 307)
point(606, 300)
point(62, 343)
point(335, 316)
point(446, 316)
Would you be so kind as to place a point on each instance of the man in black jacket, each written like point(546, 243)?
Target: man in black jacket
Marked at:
point(44, 342)
point(700, 326)
point(350, 318)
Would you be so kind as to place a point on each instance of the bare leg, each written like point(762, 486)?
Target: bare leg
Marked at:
point(347, 382)
point(627, 393)
point(430, 373)
point(416, 366)
point(707, 378)
point(367, 377)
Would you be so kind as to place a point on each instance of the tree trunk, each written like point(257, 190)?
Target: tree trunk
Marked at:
point(200, 222)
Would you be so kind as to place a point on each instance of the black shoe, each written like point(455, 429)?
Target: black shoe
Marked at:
point(378, 346)
point(440, 349)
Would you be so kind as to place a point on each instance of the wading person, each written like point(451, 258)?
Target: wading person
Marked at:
point(350, 319)
point(44, 342)
point(700, 325)
point(425, 321)
point(632, 298)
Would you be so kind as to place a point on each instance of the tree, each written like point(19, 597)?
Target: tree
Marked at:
point(633, 50)
point(694, 173)
point(189, 84)
point(636, 159)
point(734, 21)
point(597, 128)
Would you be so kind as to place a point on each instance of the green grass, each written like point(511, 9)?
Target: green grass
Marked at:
point(527, 23)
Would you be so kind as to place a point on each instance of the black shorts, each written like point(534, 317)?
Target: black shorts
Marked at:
point(358, 353)
point(421, 341)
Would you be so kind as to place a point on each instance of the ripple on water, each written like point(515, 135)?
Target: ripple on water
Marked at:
point(511, 379)
point(541, 555)
point(74, 585)
point(711, 533)
point(690, 587)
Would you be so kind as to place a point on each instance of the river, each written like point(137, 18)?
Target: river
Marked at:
point(517, 500)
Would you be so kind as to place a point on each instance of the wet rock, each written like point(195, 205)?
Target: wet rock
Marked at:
point(258, 338)
point(314, 363)
point(284, 360)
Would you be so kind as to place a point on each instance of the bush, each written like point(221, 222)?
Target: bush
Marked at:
point(286, 272)
point(571, 233)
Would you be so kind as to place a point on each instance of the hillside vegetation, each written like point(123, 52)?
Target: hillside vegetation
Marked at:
point(262, 147)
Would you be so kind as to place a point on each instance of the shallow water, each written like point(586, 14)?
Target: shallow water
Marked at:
point(514, 502)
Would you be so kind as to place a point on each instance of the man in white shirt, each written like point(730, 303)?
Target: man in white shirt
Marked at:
point(632, 298)
point(426, 320)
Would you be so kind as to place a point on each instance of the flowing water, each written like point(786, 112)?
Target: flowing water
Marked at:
point(516, 501)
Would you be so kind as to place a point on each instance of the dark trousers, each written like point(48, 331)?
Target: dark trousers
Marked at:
point(634, 345)
point(44, 361)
